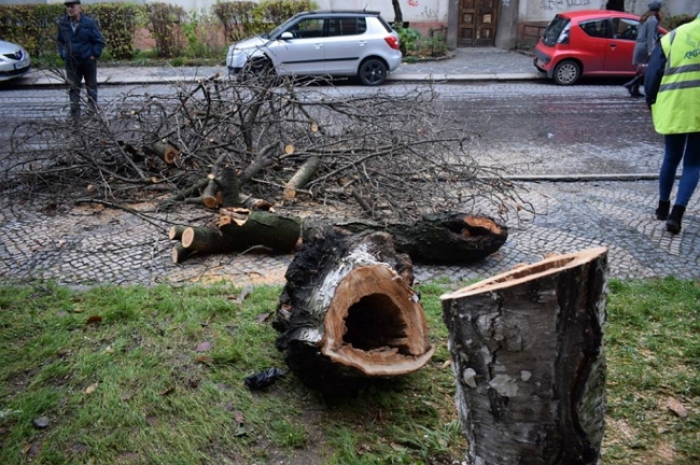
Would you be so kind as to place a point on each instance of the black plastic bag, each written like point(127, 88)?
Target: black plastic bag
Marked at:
point(263, 379)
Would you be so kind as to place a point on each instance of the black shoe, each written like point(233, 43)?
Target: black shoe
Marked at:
point(662, 211)
point(636, 94)
point(673, 225)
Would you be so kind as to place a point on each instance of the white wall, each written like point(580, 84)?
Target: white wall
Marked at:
point(545, 10)
point(413, 10)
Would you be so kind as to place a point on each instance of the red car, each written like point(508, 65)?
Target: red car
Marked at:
point(587, 43)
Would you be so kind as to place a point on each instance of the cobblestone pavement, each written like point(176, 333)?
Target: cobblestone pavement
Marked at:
point(90, 246)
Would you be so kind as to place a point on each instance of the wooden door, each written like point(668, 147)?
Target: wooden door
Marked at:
point(478, 20)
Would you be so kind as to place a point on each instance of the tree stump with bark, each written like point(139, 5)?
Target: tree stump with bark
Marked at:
point(348, 311)
point(527, 354)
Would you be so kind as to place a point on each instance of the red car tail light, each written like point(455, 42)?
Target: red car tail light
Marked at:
point(392, 41)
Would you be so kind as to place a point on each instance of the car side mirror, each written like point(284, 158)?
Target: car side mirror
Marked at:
point(286, 35)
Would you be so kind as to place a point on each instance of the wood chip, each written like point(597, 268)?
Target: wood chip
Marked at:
point(676, 407)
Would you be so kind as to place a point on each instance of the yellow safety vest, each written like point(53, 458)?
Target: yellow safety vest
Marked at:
point(677, 107)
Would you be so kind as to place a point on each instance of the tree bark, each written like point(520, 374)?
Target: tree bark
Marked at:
point(527, 353)
point(398, 14)
point(441, 238)
point(348, 311)
point(258, 227)
point(164, 151)
point(301, 177)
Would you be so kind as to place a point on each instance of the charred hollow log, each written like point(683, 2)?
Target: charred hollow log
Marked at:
point(442, 238)
point(527, 353)
point(348, 311)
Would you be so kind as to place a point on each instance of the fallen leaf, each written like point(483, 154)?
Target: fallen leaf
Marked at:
point(447, 363)
point(676, 407)
point(204, 346)
point(90, 389)
point(32, 450)
point(238, 416)
point(94, 320)
point(204, 359)
point(262, 317)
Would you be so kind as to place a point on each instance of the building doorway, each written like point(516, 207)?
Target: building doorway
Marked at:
point(477, 23)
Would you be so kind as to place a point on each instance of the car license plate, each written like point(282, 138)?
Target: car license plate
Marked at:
point(22, 64)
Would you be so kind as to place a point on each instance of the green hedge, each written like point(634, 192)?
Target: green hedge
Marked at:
point(673, 22)
point(242, 19)
point(34, 26)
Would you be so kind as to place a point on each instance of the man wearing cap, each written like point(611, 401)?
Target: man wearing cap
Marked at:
point(672, 87)
point(80, 44)
point(647, 37)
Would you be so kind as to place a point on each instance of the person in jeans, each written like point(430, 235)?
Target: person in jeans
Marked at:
point(647, 37)
point(80, 44)
point(672, 87)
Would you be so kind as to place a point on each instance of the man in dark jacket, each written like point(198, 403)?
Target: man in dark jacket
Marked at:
point(80, 44)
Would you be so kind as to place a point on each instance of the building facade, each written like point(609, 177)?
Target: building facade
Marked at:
point(465, 23)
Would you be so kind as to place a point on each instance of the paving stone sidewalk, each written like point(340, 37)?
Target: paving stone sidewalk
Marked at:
point(89, 246)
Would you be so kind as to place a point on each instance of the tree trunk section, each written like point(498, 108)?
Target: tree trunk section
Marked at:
point(229, 187)
point(258, 227)
point(527, 353)
point(440, 238)
point(206, 240)
point(305, 173)
point(165, 151)
point(348, 311)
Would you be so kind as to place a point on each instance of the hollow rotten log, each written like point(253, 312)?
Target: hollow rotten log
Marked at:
point(440, 238)
point(528, 359)
point(348, 311)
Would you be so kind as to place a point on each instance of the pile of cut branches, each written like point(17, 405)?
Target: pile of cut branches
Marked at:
point(218, 142)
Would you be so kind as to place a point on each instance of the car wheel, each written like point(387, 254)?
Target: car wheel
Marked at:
point(373, 72)
point(567, 72)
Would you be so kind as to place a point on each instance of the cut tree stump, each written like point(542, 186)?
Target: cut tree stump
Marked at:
point(527, 354)
point(348, 311)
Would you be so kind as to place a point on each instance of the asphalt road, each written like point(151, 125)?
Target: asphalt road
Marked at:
point(533, 128)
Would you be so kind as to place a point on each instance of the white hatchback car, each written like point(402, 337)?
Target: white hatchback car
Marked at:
point(14, 61)
point(318, 43)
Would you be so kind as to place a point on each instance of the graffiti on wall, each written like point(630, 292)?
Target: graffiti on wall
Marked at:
point(413, 3)
point(562, 4)
point(429, 13)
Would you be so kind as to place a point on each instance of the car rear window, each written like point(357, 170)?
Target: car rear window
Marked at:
point(596, 28)
point(385, 24)
point(551, 33)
